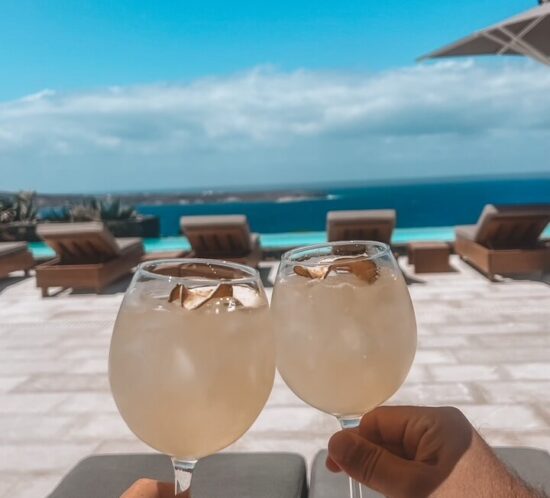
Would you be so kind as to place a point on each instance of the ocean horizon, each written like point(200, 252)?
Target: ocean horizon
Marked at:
point(422, 203)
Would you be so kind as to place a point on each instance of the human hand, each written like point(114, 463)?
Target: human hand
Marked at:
point(406, 451)
point(149, 488)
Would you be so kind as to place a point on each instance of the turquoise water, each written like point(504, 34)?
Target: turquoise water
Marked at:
point(283, 240)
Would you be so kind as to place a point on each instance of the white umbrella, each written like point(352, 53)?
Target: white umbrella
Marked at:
point(526, 34)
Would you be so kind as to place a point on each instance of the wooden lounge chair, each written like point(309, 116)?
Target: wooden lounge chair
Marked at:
point(506, 241)
point(225, 237)
point(88, 256)
point(15, 256)
point(375, 225)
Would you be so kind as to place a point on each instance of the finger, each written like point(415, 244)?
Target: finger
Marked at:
point(332, 465)
point(146, 488)
point(371, 464)
point(398, 426)
point(166, 490)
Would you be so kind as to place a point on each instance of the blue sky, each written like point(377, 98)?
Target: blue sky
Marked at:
point(71, 45)
point(127, 94)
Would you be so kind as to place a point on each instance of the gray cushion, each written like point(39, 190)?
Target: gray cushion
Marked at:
point(227, 475)
point(326, 484)
point(532, 465)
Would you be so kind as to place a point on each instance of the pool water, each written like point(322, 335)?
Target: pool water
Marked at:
point(284, 240)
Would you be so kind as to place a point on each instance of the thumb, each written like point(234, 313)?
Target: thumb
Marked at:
point(369, 463)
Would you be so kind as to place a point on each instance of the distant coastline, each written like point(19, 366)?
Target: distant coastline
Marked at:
point(422, 203)
point(183, 198)
point(278, 193)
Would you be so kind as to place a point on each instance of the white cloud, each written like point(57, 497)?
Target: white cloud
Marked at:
point(264, 125)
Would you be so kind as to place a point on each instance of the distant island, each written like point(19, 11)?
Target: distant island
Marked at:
point(181, 198)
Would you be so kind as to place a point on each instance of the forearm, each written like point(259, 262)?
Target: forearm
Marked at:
point(481, 474)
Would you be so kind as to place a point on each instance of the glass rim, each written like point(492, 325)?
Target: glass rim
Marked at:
point(383, 250)
point(251, 274)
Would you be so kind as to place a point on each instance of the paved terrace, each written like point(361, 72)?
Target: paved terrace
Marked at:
point(483, 347)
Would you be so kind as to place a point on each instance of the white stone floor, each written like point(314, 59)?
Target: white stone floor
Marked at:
point(484, 347)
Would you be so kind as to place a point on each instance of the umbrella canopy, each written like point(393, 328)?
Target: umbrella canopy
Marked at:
point(525, 34)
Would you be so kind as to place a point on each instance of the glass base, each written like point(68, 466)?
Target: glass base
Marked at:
point(183, 470)
point(349, 422)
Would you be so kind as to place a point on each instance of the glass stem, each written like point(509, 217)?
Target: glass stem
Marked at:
point(355, 490)
point(183, 469)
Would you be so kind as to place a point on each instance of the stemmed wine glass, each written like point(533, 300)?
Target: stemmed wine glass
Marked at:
point(344, 327)
point(192, 357)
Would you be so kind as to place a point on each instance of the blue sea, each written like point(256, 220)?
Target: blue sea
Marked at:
point(434, 203)
point(425, 211)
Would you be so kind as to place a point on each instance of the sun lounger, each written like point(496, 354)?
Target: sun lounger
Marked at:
point(15, 256)
point(225, 237)
point(531, 465)
point(252, 475)
point(505, 240)
point(88, 256)
point(375, 225)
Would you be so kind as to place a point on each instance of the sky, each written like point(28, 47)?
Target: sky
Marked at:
point(98, 95)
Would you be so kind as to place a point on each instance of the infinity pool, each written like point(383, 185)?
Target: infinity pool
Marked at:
point(284, 240)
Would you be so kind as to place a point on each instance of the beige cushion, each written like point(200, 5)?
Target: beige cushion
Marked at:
point(372, 224)
point(87, 242)
point(216, 236)
point(509, 227)
point(466, 231)
point(128, 244)
point(367, 215)
point(10, 248)
point(223, 220)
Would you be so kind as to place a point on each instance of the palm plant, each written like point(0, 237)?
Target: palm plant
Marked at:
point(19, 208)
point(108, 209)
point(112, 209)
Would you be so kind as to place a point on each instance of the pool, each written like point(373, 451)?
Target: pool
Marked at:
point(283, 240)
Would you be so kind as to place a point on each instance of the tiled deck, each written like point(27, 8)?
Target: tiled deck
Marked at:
point(483, 347)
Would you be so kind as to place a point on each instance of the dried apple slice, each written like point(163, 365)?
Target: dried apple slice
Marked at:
point(192, 299)
point(363, 269)
point(320, 272)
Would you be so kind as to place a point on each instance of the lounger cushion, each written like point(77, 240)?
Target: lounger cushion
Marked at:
point(218, 236)
point(511, 227)
point(87, 242)
point(466, 231)
point(369, 215)
point(252, 475)
point(374, 224)
point(129, 244)
point(10, 248)
point(224, 220)
point(532, 465)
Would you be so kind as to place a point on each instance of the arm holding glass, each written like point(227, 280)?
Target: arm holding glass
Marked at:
point(406, 451)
